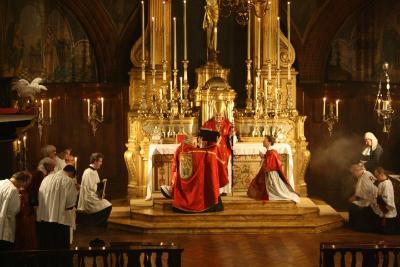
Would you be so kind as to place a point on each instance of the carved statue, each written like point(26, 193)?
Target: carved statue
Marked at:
point(210, 24)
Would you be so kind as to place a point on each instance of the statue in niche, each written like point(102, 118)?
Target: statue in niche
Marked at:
point(210, 25)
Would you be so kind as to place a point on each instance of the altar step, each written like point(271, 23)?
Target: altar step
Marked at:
point(241, 215)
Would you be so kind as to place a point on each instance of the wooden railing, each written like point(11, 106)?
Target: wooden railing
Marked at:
point(129, 254)
point(358, 254)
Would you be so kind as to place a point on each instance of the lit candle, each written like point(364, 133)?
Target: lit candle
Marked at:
point(337, 108)
point(379, 104)
point(76, 162)
point(153, 44)
point(184, 32)
point(170, 90)
point(102, 106)
point(24, 139)
point(18, 146)
point(160, 93)
point(41, 108)
point(288, 23)
point(259, 44)
point(278, 53)
point(324, 106)
point(174, 21)
point(143, 35)
point(216, 38)
point(164, 38)
point(249, 35)
point(50, 101)
point(88, 108)
point(180, 87)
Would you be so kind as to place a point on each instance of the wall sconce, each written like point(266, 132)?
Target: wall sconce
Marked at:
point(44, 115)
point(383, 105)
point(95, 116)
point(332, 117)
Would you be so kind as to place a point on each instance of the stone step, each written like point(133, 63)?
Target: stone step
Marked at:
point(154, 215)
point(314, 225)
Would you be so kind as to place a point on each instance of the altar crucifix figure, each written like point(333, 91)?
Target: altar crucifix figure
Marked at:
point(210, 24)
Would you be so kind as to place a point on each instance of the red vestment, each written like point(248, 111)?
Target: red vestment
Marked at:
point(272, 162)
point(197, 173)
point(224, 148)
point(25, 234)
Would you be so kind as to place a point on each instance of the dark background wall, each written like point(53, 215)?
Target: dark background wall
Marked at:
point(340, 46)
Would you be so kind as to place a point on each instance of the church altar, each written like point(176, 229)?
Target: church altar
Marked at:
point(163, 104)
point(246, 164)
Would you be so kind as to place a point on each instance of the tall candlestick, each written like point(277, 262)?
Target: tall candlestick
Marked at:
point(174, 43)
point(379, 105)
point(181, 87)
point(337, 108)
point(266, 90)
point(184, 32)
point(143, 35)
point(170, 90)
point(153, 44)
point(288, 23)
point(270, 42)
point(50, 101)
point(259, 44)
point(164, 38)
point(76, 162)
point(102, 106)
point(324, 106)
point(24, 140)
point(249, 35)
point(18, 146)
point(88, 108)
point(278, 53)
point(256, 89)
point(41, 108)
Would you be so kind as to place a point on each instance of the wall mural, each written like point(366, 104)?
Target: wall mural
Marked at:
point(44, 39)
point(364, 42)
point(119, 10)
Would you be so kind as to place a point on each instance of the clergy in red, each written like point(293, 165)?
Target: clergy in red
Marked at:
point(197, 175)
point(271, 182)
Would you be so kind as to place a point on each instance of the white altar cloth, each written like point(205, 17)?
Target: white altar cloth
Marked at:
point(238, 149)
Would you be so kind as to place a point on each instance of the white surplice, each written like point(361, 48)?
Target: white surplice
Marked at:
point(60, 164)
point(385, 190)
point(89, 201)
point(9, 207)
point(57, 195)
point(277, 189)
point(366, 191)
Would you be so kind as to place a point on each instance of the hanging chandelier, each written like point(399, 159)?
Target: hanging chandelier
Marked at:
point(383, 104)
point(240, 9)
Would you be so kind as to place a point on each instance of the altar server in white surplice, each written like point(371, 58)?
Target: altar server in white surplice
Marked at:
point(384, 206)
point(93, 209)
point(360, 212)
point(9, 207)
point(57, 196)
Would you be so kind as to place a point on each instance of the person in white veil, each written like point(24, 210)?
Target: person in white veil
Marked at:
point(372, 152)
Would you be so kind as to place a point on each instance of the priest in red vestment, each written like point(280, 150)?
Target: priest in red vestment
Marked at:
point(197, 175)
point(271, 182)
point(221, 124)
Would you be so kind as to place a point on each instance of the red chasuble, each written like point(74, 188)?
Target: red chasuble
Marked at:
point(224, 148)
point(272, 162)
point(197, 173)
